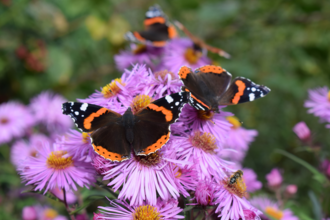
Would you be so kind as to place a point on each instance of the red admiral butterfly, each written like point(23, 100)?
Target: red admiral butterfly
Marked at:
point(113, 134)
point(199, 43)
point(210, 87)
point(157, 29)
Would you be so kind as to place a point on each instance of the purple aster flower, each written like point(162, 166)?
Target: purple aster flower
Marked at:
point(142, 178)
point(130, 84)
point(238, 139)
point(46, 108)
point(163, 83)
point(231, 200)
point(22, 149)
point(206, 121)
point(202, 147)
point(29, 213)
point(319, 103)
point(54, 167)
point(325, 167)
point(186, 178)
point(250, 179)
point(143, 54)
point(15, 119)
point(272, 209)
point(290, 190)
point(274, 178)
point(181, 52)
point(101, 164)
point(205, 192)
point(122, 210)
point(78, 144)
point(302, 131)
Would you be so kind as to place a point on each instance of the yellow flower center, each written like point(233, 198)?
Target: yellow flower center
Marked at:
point(234, 121)
point(4, 120)
point(205, 115)
point(235, 184)
point(329, 96)
point(192, 56)
point(85, 137)
point(112, 88)
point(50, 214)
point(163, 74)
point(149, 160)
point(204, 141)
point(274, 213)
point(56, 160)
point(146, 212)
point(140, 49)
point(140, 102)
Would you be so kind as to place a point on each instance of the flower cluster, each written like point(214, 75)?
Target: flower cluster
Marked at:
point(190, 164)
point(202, 161)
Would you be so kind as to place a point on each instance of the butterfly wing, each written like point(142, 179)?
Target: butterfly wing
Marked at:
point(88, 117)
point(152, 125)
point(108, 137)
point(110, 142)
point(243, 90)
point(157, 29)
point(206, 84)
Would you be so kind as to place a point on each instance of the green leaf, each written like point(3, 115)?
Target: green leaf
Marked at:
point(316, 205)
point(87, 202)
point(188, 208)
point(317, 175)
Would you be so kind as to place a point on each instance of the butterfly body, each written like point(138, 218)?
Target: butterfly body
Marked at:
point(211, 86)
point(114, 136)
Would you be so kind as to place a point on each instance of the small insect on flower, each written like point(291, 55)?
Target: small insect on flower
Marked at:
point(234, 178)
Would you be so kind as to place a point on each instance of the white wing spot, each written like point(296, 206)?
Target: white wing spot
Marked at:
point(253, 89)
point(177, 103)
point(251, 96)
point(83, 107)
point(169, 99)
point(77, 113)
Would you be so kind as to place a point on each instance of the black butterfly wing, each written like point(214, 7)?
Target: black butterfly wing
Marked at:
point(108, 137)
point(110, 142)
point(206, 84)
point(152, 124)
point(243, 90)
point(88, 117)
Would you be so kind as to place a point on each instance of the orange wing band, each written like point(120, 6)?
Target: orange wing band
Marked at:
point(212, 69)
point(172, 32)
point(90, 118)
point(138, 36)
point(184, 71)
point(199, 101)
point(241, 88)
point(154, 20)
point(156, 146)
point(107, 154)
point(168, 114)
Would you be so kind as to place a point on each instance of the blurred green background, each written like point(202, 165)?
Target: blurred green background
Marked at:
point(68, 47)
